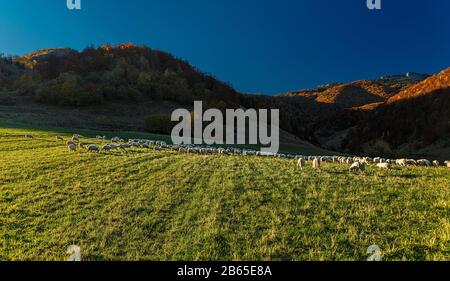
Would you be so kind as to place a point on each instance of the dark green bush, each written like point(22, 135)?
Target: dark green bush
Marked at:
point(159, 123)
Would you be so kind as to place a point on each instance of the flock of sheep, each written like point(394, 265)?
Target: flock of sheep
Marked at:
point(357, 164)
point(117, 143)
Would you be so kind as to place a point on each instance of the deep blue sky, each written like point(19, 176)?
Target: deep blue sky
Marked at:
point(265, 46)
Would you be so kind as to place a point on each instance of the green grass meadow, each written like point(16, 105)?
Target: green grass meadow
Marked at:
point(148, 205)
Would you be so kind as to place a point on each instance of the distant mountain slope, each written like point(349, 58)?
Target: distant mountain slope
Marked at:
point(321, 114)
point(354, 94)
point(414, 118)
point(433, 83)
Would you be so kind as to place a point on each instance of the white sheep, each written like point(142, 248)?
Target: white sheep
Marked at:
point(107, 147)
point(135, 144)
point(368, 160)
point(384, 165)
point(401, 162)
point(301, 163)
point(316, 163)
point(358, 166)
point(424, 162)
point(326, 159)
point(72, 147)
point(70, 143)
point(93, 148)
point(111, 146)
point(436, 163)
point(447, 163)
point(124, 146)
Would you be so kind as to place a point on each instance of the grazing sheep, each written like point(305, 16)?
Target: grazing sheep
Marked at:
point(316, 163)
point(29, 136)
point(70, 143)
point(111, 146)
point(356, 163)
point(124, 147)
point(358, 166)
point(301, 163)
point(72, 147)
point(326, 159)
point(362, 167)
point(354, 167)
point(116, 139)
point(93, 148)
point(135, 144)
point(423, 162)
point(107, 147)
point(384, 165)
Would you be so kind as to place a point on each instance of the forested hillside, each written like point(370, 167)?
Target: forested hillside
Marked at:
point(136, 87)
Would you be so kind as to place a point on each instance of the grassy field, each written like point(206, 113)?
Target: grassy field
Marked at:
point(147, 205)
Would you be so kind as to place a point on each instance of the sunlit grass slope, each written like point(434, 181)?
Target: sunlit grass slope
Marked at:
point(147, 205)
